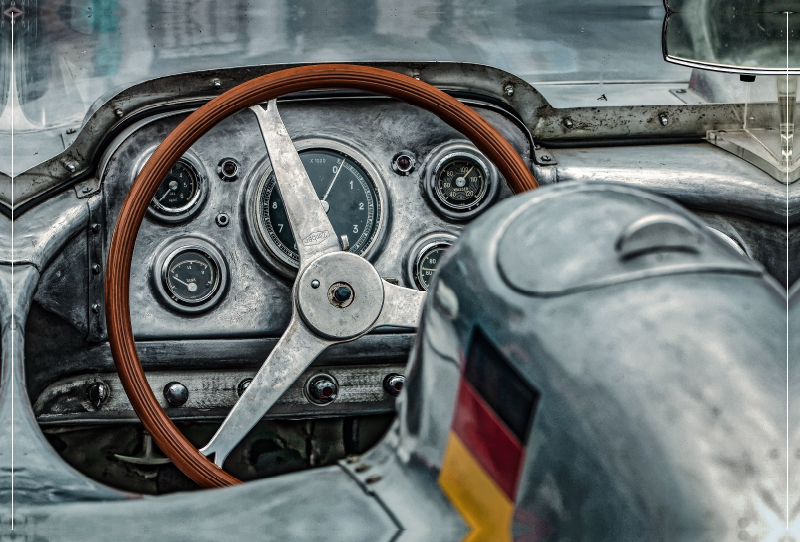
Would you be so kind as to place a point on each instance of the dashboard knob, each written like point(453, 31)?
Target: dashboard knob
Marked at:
point(176, 393)
point(322, 389)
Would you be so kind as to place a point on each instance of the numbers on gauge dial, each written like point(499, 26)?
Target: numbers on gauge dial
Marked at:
point(192, 277)
point(460, 182)
point(179, 189)
point(346, 192)
point(427, 262)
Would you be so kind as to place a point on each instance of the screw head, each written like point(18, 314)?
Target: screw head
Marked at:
point(342, 294)
point(176, 393)
point(546, 158)
point(568, 123)
point(681, 91)
point(664, 119)
point(216, 83)
point(70, 166)
point(509, 90)
point(118, 112)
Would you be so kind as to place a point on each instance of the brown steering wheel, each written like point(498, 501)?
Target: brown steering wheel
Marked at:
point(310, 330)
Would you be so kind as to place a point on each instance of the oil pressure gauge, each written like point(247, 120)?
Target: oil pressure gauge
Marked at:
point(460, 182)
point(190, 275)
point(425, 256)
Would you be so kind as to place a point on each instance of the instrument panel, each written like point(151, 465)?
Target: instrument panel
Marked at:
point(216, 256)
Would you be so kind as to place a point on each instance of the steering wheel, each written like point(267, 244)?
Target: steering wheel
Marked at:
point(337, 296)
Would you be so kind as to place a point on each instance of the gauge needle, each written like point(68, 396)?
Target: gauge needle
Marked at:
point(325, 197)
point(191, 286)
point(464, 177)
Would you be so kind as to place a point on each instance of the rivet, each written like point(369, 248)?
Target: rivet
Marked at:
point(315, 284)
point(70, 166)
point(568, 123)
point(176, 393)
point(118, 112)
point(664, 119)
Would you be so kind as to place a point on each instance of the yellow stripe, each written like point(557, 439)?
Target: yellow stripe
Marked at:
point(479, 500)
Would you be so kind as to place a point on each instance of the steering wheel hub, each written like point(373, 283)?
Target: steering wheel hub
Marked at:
point(349, 300)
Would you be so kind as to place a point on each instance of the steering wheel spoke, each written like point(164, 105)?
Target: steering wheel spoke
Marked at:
point(295, 351)
point(312, 230)
point(401, 306)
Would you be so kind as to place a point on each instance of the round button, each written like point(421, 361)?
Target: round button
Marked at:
point(176, 393)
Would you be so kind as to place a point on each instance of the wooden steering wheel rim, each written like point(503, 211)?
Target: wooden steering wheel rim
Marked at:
point(260, 90)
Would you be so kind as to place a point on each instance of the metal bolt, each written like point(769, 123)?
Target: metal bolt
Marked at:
point(96, 269)
point(681, 91)
point(176, 393)
point(509, 90)
point(118, 112)
point(568, 124)
point(71, 130)
point(393, 384)
point(664, 119)
point(373, 479)
point(95, 308)
point(223, 220)
point(97, 393)
point(363, 467)
point(315, 284)
point(95, 228)
point(216, 83)
point(86, 189)
point(70, 166)
point(546, 158)
point(342, 294)
point(322, 389)
point(243, 385)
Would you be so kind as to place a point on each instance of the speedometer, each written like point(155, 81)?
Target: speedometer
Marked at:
point(347, 191)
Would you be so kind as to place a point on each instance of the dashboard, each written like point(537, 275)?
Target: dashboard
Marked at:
point(215, 259)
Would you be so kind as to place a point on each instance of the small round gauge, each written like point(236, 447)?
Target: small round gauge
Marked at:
point(425, 257)
point(347, 193)
point(460, 182)
point(181, 192)
point(193, 274)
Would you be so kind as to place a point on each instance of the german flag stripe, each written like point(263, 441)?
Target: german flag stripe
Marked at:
point(476, 496)
point(492, 443)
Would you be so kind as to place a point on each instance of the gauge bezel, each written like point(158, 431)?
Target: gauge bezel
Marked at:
point(173, 216)
point(423, 245)
point(442, 155)
point(160, 272)
point(261, 239)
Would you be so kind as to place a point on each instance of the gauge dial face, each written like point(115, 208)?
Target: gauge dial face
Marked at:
point(346, 192)
point(427, 262)
point(460, 182)
point(179, 190)
point(192, 276)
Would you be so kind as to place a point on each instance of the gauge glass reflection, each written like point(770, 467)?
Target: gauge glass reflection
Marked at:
point(192, 277)
point(179, 190)
point(347, 193)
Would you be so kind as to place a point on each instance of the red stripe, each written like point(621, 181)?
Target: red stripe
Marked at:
point(493, 444)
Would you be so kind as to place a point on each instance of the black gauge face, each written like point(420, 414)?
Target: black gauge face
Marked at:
point(460, 182)
point(191, 277)
point(346, 192)
point(179, 190)
point(427, 262)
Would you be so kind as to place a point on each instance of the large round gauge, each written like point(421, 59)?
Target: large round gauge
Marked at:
point(425, 256)
point(182, 191)
point(348, 191)
point(460, 181)
point(192, 274)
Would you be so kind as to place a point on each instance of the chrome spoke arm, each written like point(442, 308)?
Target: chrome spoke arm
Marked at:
point(295, 351)
point(310, 225)
point(401, 306)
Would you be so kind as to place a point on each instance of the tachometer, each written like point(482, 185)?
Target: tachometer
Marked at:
point(348, 193)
